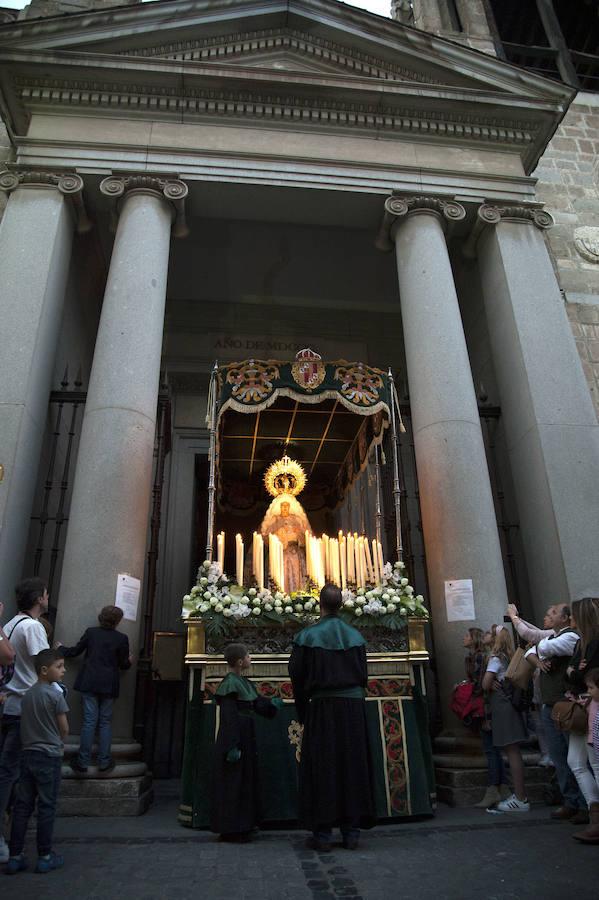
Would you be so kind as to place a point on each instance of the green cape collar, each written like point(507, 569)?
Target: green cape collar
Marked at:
point(331, 633)
point(236, 684)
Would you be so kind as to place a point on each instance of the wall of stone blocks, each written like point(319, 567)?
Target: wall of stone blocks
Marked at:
point(568, 183)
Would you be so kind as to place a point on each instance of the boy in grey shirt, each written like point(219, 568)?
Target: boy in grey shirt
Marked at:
point(44, 727)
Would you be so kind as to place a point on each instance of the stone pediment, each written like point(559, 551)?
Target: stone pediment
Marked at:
point(317, 63)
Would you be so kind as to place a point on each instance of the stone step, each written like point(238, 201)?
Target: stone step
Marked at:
point(105, 797)
point(126, 769)
point(465, 787)
point(117, 748)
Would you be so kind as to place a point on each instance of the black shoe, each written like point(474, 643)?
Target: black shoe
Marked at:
point(351, 843)
point(77, 767)
point(320, 846)
point(107, 767)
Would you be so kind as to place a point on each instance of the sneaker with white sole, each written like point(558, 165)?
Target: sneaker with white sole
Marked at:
point(4, 854)
point(513, 805)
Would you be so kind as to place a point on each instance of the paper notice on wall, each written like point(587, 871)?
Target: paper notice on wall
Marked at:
point(127, 596)
point(459, 600)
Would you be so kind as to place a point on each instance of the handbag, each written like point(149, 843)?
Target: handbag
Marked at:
point(519, 671)
point(466, 705)
point(569, 715)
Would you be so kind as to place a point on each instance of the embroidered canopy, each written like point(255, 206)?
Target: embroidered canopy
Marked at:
point(254, 385)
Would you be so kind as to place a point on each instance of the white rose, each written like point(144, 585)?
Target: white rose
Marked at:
point(360, 601)
point(219, 607)
point(204, 607)
point(256, 611)
point(369, 594)
point(403, 612)
point(349, 604)
point(391, 607)
point(419, 598)
point(227, 612)
point(268, 606)
point(195, 590)
point(186, 598)
point(361, 592)
point(207, 595)
point(403, 582)
point(203, 580)
point(299, 608)
point(359, 611)
point(386, 596)
point(245, 599)
point(409, 590)
point(278, 596)
point(309, 605)
point(289, 609)
point(252, 591)
point(213, 601)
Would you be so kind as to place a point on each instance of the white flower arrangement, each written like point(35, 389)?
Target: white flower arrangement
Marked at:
point(214, 600)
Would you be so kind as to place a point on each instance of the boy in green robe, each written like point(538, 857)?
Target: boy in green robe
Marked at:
point(235, 809)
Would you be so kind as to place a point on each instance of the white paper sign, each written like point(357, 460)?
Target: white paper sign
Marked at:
point(127, 596)
point(459, 600)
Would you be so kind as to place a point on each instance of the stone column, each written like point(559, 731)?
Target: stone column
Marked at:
point(35, 248)
point(551, 428)
point(458, 517)
point(108, 518)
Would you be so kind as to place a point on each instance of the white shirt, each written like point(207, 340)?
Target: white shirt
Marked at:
point(26, 639)
point(498, 667)
point(562, 644)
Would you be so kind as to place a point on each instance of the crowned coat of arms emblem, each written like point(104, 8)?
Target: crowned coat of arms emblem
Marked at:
point(308, 370)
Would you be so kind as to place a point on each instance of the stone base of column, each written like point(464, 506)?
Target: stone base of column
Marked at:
point(461, 771)
point(106, 796)
point(125, 791)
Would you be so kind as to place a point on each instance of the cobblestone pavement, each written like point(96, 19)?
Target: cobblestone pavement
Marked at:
point(459, 855)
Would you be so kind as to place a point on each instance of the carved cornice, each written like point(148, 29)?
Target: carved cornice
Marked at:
point(171, 189)
point(397, 207)
point(249, 43)
point(274, 106)
point(488, 215)
point(68, 183)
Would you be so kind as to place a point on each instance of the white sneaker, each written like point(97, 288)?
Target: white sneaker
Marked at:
point(4, 854)
point(513, 805)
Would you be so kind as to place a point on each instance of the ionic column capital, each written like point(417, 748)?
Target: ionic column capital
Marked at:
point(172, 190)
point(68, 183)
point(488, 215)
point(532, 215)
point(397, 208)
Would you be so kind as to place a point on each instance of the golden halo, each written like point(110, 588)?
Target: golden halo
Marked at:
point(285, 476)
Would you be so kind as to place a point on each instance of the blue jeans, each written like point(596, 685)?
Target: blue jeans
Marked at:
point(557, 742)
point(495, 773)
point(10, 759)
point(97, 713)
point(40, 777)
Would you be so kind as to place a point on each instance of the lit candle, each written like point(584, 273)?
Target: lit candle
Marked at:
point(380, 553)
point(375, 563)
point(239, 558)
point(327, 559)
point(369, 562)
point(363, 569)
point(309, 564)
point(220, 550)
point(351, 560)
point(343, 557)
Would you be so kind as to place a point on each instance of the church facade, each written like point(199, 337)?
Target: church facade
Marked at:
point(190, 181)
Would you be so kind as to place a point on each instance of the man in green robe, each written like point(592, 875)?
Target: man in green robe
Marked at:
point(329, 673)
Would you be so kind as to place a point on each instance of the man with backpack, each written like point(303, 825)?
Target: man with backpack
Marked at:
point(27, 638)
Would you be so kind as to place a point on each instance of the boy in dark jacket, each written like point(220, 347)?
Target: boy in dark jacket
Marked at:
point(106, 652)
point(235, 789)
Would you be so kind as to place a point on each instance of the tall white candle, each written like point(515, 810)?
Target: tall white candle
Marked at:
point(343, 558)
point(375, 562)
point(369, 562)
point(381, 563)
point(220, 550)
point(351, 560)
point(239, 558)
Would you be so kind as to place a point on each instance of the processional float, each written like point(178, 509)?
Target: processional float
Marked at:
point(270, 588)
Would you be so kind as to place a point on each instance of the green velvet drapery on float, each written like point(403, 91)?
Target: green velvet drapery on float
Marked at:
point(397, 722)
